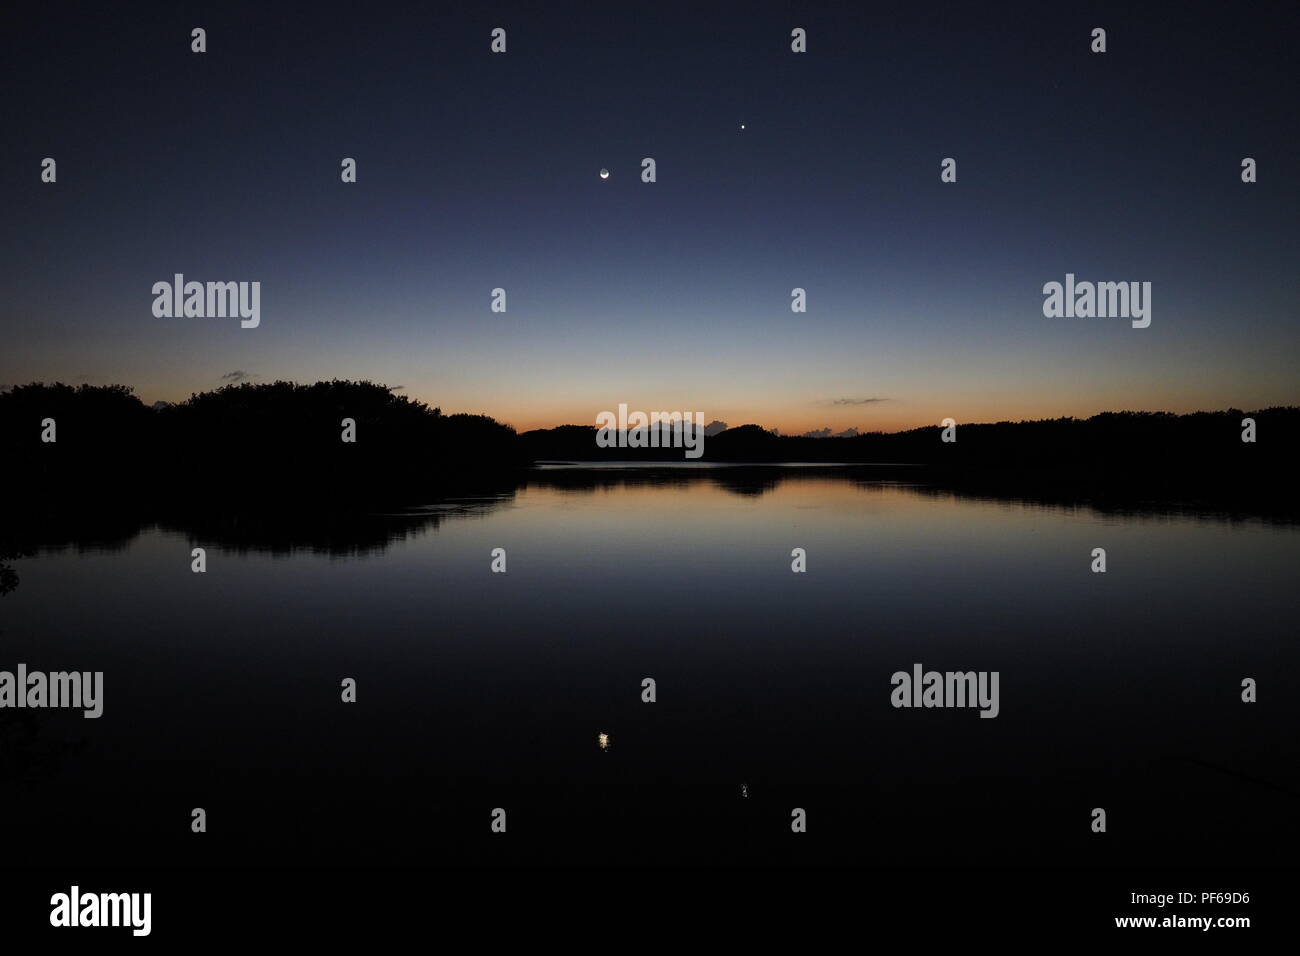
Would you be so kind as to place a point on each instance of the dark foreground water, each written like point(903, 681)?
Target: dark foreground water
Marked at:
point(479, 690)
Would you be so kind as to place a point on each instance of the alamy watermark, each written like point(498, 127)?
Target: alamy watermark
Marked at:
point(1102, 300)
point(73, 689)
point(653, 430)
point(948, 689)
point(76, 908)
point(208, 300)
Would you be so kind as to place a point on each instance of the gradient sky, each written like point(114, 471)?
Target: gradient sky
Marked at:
point(477, 171)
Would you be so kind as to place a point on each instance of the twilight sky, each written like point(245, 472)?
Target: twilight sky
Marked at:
point(478, 170)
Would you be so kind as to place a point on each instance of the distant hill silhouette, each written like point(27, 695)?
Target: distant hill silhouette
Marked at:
point(1208, 440)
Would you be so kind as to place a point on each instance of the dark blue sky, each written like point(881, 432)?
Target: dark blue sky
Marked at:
point(478, 171)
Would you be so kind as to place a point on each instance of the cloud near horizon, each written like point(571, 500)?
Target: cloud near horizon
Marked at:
point(828, 433)
point(857, 401)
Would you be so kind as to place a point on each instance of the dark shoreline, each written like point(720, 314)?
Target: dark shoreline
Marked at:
point(347, 447)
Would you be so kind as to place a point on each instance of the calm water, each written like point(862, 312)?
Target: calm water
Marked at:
point(479, 690)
